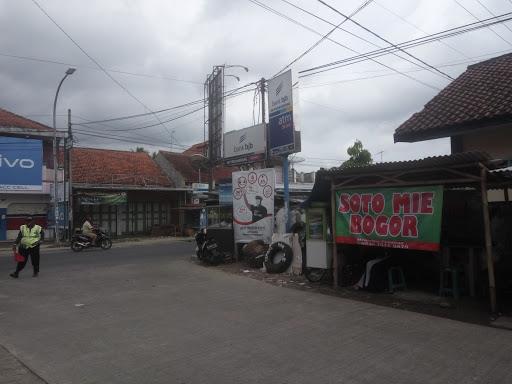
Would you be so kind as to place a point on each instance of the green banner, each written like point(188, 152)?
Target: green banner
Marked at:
point(407, 218)
point(102, 198)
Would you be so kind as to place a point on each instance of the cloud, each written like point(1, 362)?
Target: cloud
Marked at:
point(164, 40)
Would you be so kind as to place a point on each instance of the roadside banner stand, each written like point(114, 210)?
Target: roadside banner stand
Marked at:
point(421, 210)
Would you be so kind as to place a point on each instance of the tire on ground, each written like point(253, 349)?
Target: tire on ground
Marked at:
point(278, 249)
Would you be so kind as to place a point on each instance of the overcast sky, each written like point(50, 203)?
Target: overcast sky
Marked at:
point(161, 50)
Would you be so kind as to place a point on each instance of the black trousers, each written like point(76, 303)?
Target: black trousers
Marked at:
point(33, 253)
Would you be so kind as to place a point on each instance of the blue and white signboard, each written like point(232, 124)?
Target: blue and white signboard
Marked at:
point(280, 103)
point(21, 165)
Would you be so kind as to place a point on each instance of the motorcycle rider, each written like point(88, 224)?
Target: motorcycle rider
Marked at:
point(88, 230)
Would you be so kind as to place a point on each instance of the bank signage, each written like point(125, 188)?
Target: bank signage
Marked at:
point(407, 218)
point(280, 103)
point(245, 143)
point(253, 205)
point(21, 165)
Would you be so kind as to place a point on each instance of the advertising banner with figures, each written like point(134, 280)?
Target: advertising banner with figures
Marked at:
point(253, 205)
point(407, 218)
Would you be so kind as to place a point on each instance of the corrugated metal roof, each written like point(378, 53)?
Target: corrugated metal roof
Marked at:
point(428, 162)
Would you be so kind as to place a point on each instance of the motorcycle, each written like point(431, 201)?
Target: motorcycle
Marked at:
point(207, 249)
point(81, 241)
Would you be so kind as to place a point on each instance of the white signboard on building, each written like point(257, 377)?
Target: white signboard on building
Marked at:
point(253, 205)
point(245, 144)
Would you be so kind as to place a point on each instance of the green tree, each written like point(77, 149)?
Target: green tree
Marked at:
point(139, 149)
point(358, 156)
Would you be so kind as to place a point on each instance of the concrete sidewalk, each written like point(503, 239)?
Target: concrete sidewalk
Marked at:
point(14, 371)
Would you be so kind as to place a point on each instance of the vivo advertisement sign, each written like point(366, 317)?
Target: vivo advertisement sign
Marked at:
point(245, 142)
point(280, 128)
point(21, 165)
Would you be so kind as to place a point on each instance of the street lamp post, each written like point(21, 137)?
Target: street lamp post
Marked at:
point(69, 71)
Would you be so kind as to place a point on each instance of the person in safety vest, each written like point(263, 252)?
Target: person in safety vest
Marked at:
point(28, 241)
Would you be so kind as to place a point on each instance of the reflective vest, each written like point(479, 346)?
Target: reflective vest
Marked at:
point(30, 236)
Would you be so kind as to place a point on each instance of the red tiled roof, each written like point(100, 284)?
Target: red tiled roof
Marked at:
point(104, 166)
point(480, 97)
point(184, 164)
point(199, 148)
point(12, 120)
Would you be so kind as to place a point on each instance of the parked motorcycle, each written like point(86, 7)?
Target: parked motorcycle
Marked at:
point(207, 249)
point(81, 241)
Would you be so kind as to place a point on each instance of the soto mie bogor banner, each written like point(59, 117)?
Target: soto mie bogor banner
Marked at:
point(407, 218)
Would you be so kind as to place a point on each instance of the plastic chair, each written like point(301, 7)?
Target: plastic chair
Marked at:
point(396, 279)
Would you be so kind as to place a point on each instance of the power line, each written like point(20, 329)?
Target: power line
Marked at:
point(477, 18)
point(147, 126)
point(48, 61)
point(412, 70)
point(269, 9)
point(317, 43)
point(412, 43)
point(385, 40)
point(347, 31)
point(191, 103)
point(98, 64)
point(419, 29)
point(492, 13)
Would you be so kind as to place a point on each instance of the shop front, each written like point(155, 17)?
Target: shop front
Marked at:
point(423, 224)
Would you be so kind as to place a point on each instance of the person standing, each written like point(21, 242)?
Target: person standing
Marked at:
point(28, 242)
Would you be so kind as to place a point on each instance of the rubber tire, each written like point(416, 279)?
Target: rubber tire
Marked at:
point(273, 250)
point(75, 247)
point(105, 244)
point(315, 274)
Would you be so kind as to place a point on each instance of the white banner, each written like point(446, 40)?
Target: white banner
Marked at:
point(253, 205)
point(244, 142)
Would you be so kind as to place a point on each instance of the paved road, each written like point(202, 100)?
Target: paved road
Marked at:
point(146, 314)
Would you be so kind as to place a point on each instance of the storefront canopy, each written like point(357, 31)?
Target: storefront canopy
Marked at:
point(457, 170)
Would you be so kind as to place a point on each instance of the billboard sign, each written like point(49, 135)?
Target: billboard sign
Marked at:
point(244, 143)
point(21, 165)
point(406, 218)
point(253, 205)
point(199, 188)
point(281, 135)
point(215, 90)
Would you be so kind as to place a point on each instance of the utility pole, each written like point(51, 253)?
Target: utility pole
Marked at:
point(70, 178)
point(263, 120)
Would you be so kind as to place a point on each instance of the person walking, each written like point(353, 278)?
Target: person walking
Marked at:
point(28, 241)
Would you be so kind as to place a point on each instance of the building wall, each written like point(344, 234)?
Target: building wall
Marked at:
point(143, 211)
point(37, 204)
point(19, 206)
point(496, 142)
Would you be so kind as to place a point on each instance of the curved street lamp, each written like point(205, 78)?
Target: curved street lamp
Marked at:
point(69, 72)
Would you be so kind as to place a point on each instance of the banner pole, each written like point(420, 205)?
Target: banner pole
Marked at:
point(286, 183)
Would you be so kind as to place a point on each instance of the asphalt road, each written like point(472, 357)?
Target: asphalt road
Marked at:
point(147, 314)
